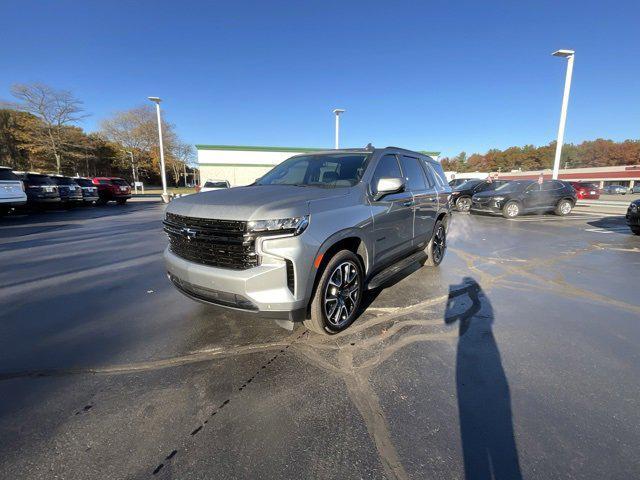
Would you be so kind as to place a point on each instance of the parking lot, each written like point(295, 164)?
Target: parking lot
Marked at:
point(517, 358)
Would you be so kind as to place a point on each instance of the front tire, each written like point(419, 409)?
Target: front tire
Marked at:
point(635, 230)
point(337, 297)
point(511, 209)
point(463, 204)
point(437, 246)
point(563, 208)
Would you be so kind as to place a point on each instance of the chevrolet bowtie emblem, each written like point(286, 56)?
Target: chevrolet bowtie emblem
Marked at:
point(189, 233)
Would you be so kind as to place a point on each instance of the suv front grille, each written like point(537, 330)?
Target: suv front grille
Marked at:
point(217, 243)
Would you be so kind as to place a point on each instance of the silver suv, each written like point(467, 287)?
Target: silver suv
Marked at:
point(306, 239)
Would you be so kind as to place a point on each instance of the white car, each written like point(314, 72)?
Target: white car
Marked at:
point(210, 185)
point(11, 191)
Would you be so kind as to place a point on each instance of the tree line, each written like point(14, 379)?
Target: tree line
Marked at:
point(39, 132)
point(593, 153)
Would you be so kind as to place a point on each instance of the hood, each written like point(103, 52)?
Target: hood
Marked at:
point(262, 202)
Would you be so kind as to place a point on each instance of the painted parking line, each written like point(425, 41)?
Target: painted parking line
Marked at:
point(551, 219)
point(616, 229)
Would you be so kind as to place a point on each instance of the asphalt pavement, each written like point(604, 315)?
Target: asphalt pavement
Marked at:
point(517, 358)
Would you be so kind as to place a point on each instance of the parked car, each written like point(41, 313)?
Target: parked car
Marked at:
point(310, 235)
point(457, 181)
point(112, 189)
point(12, 192)
point(633, 217)
point(210, 185)
point(615, 190)
point(635, 188)
point(584, 190)
point(526, 196)
point(41, 190)
point(461, 195)
point(89, 190)
point(70, 192)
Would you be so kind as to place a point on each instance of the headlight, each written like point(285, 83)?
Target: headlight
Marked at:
point(295, 225)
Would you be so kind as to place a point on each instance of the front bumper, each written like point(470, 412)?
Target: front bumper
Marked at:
point(262, 290)
point(633, 217)
point(489, 207)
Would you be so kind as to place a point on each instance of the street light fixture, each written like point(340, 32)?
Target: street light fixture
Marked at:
point(337, 112)
point(165, 195)
point(569, 55)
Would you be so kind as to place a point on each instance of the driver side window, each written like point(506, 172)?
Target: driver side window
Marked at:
point(387, 167)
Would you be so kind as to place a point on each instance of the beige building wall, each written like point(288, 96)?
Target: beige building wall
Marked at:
point(237, 175)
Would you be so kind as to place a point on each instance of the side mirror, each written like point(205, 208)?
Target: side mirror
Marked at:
point(387, 185)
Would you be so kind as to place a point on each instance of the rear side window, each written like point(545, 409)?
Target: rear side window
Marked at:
point(437, 168)
point(387, 167)
point(554, 185)
point(413, 172)
point(6, 174)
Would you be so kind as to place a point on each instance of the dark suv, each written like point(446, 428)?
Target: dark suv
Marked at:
point(523, 196)
point(41, 190)
point(89, 190)
point(70, 192)
point(112, 188)
point(461, 195)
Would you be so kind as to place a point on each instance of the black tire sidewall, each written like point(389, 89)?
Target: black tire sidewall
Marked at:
point(317, 305)
point(429, 261)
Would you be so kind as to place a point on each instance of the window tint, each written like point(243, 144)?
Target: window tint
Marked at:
point(215, 185)
point(328, 171)
point(63, 181)
point(413, 173)
point(84, 182)
point(437, 168)
point(6, 174)
point(39, 180)
point(387, 167)
point(546, 186)
point(430, 175)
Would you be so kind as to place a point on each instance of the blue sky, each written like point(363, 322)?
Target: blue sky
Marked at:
point(443, 75)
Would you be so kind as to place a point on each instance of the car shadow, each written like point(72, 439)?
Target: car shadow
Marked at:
point(616, 224)
point(484, 401)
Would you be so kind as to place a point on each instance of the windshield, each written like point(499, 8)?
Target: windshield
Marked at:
point(514, 186)
point(40, 180)
point(327, 171)
point(468, 184)
point(215, 185)
point(63, 181)
point(84, 182)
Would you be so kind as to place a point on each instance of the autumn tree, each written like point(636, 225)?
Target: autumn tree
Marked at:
point(56, 109)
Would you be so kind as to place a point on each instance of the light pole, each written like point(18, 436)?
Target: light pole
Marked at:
point(165, 195)
point(133, 172)
point(569, 55)
point(337, 112)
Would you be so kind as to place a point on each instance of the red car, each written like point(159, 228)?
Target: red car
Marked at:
point(586, 191)
point(112, 188)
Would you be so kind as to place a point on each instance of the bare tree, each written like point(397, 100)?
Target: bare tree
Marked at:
point(56, 109)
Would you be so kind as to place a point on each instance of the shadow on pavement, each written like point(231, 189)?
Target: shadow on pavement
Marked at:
point(613, 224)
point(484, 402)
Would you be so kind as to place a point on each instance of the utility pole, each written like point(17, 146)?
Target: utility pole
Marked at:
point(337, 112)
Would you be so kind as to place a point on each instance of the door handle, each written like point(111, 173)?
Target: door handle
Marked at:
point(408, 203)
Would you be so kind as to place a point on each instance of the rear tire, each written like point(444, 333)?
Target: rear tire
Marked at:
point(563, 207)
point(463, 204)
point(635, 230)
point(511, 209)
point(437, 246)
point(337, 297)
